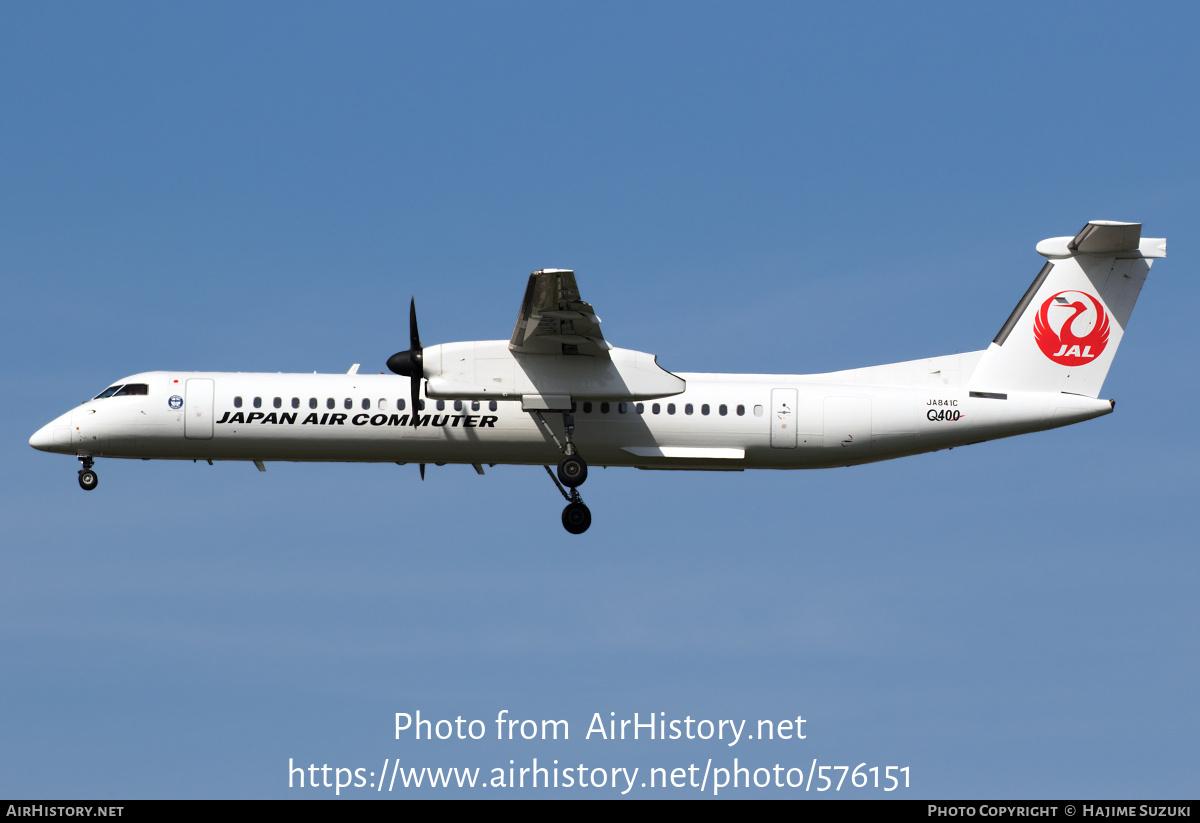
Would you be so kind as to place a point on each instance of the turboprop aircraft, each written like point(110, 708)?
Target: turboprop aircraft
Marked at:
point(557, 391)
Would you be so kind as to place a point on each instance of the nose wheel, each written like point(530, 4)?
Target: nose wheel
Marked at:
point(87, 478)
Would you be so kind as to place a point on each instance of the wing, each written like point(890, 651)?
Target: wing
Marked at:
point(554, 320)
point(533, 368)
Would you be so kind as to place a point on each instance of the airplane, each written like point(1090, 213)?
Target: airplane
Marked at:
point(487, 402)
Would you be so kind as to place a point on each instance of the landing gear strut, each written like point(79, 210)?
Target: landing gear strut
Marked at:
point(87, 478)
point(572, 472)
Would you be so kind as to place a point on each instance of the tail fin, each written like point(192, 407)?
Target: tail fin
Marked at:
point(1063, 334)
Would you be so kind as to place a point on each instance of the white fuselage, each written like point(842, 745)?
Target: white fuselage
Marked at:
point(558, 392)
point(720, 422)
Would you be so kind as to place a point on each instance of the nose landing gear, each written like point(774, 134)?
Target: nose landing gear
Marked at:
point(87, 478)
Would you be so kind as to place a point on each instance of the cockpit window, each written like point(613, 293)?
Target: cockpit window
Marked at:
point(123, 391)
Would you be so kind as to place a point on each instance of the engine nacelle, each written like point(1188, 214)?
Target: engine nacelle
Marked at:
point(488, 370)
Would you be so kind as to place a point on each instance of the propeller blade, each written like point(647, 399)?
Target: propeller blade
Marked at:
point(416, 392)
point(411, 363)
point(422, 471)
point(414, 340)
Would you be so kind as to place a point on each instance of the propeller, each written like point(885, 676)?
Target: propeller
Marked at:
point(409, 363)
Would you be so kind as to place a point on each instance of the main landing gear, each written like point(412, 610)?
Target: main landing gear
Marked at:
point(572, 472)
point(87, 477)
point(576, 517)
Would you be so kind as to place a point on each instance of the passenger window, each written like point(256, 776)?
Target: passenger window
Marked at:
point(670, 408)
point(295, 402)
point(312, 402)
point(687, 409)
point(366, 404)
point(491, 405)
point(420, 405)
point(723, 409)
point(474, 405)
point(587, 408)
point(604, 408)
point(641, 408)
point(441, 405)
point(400, 404)
point(237, 402)
point(382, 404)
point(622, 407)
point(277, 402)
point(458, 405)
point(348, 403)
point(758, 411)
point(258, 402)
point(655, 409)
point(704, 409)
point(741, 410)
point(329, 403)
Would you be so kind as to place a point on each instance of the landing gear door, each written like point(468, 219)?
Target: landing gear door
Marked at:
point(198, 409)
point(783, 418)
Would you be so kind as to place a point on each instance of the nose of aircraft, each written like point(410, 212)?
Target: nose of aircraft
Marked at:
point(54, 436)
point(43, 438)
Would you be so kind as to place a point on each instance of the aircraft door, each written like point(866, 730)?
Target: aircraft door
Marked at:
point(198, 417)
point(783, 418)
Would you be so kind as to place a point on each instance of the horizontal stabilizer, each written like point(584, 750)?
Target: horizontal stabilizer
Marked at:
point(1104, 238)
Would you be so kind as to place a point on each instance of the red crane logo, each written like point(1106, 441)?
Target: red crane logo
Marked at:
point(1081, 335)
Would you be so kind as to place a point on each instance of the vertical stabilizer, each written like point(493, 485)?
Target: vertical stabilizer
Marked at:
point(1063, 334)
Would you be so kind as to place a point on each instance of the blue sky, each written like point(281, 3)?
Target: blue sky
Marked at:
point(779, 188)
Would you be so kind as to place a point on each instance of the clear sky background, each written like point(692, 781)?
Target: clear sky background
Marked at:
point(779, 188)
